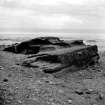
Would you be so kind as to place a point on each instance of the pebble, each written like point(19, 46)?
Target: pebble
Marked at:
point(60, 91)
point(5, 80)
point(90, 90)
point(101, 96)
point(53, 104)
point(19, 101)
point(79, 92)
point(70, 101)
point(35, 99)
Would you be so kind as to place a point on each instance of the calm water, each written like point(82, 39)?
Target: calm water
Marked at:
point(62, 35)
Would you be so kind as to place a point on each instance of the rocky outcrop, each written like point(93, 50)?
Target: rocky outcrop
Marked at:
point(53, 61)
point(36, 45)
point(50, 54)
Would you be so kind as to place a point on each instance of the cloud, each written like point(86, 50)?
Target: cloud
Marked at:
point(52, 14)
point(24, 18)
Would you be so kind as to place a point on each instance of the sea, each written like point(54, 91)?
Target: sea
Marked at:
point(88, 38)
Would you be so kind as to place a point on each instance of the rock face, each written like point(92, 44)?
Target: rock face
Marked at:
point(36, 45)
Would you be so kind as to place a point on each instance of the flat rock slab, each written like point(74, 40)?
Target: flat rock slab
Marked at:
point(53, 61)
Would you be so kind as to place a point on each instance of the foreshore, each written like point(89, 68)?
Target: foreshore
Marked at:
point(30, 86)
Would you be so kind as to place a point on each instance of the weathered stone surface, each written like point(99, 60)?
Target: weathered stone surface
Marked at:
point(51, 54)
point(76, 42)
point(52, 61)
point(36, 45)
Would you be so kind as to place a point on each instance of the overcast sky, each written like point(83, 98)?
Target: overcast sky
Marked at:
point(52, 15)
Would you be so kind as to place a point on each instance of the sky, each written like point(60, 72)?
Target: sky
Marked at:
point(52, 15)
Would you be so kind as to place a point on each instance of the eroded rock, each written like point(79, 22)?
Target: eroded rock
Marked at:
point(53, 61)
point(51, 54)
point(36, 45)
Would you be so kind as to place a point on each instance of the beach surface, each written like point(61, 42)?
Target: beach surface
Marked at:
point(21, 85)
